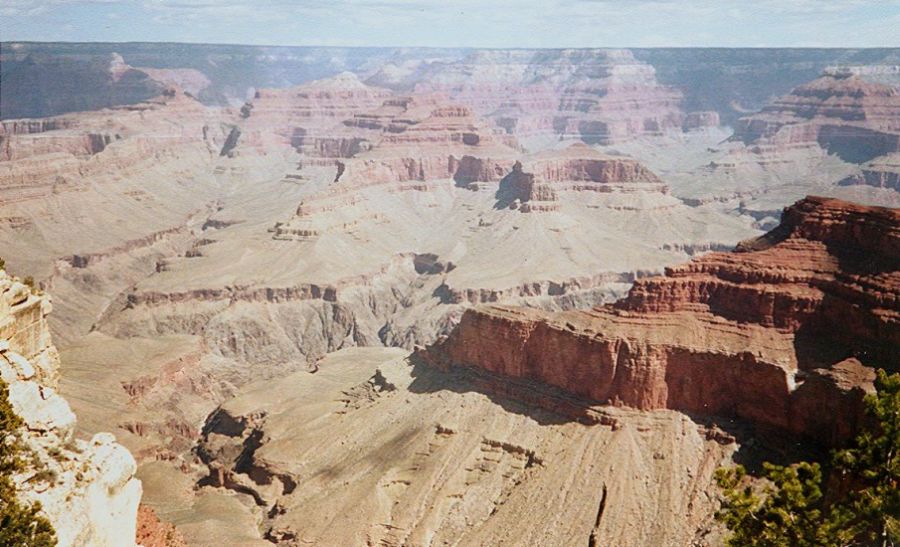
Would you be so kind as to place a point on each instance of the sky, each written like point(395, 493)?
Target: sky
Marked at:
point(461, 23)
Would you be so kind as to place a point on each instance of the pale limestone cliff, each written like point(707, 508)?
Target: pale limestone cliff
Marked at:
point(87, 489)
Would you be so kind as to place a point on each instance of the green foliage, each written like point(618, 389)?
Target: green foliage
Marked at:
point(2, 264)
point(794, 509)
point(20, 524)
point(29, 281)
point(785, 514)
point(873, 464)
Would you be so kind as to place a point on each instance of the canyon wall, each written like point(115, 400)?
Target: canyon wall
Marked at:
point(842, 113)
point(883, 172)
point(735, 81)
point(86, 489)
point(600, 96)
point(36, 85)
point(729, 82)
point(773, 333)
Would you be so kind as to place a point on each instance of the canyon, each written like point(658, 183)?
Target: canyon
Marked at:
point(469, 433)
point(559, 288)
point(773, 310)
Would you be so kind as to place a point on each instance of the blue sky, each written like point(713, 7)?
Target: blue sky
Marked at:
point(454, 23)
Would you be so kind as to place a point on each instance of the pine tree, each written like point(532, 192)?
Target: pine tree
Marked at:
point(872, 466)
point(20, 524)
point(792, 508)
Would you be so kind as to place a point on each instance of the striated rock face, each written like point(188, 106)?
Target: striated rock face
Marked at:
point(303, 116)
point(846, 115)
point(883, 172)
point(789, 323)
point(829, 270)
point(145, 169)
point(579, 168)
point(87, 489)
point(598, 96)
point(446, 459)
point(411, 138)
point(616, 101)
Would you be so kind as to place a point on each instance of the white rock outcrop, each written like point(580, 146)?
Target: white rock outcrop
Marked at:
point(87, 489)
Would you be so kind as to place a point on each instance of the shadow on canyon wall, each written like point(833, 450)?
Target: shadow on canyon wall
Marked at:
point(548, 406)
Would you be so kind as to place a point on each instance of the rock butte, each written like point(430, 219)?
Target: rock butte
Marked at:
point(789, 322)
point(844, 114)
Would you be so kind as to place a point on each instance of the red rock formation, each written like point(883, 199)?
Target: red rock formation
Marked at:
point(301, 116)
point(844, 114)
point(152, 532)
point(788, 325)
point(164, 126)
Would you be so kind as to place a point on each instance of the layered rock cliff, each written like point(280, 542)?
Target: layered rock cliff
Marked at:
point(842, 113)
point(305, 116)
point(883, 172)
point(86, 489)
point(787, 325)
point(598, 96)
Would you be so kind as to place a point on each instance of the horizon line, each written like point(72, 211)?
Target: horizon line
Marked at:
point(519, 48)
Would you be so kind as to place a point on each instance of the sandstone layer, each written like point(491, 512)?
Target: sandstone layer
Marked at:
point(841, 112)
point(597, 96)
point(792, 321)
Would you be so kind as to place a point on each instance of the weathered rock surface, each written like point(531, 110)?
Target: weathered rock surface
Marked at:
point(454, 458)
point(300, 116)
point(86, 489)
point(151, 532)
point(192, 250)
point(883, 172)
point(798, 315)
point(842, 113)
point(598, 96)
